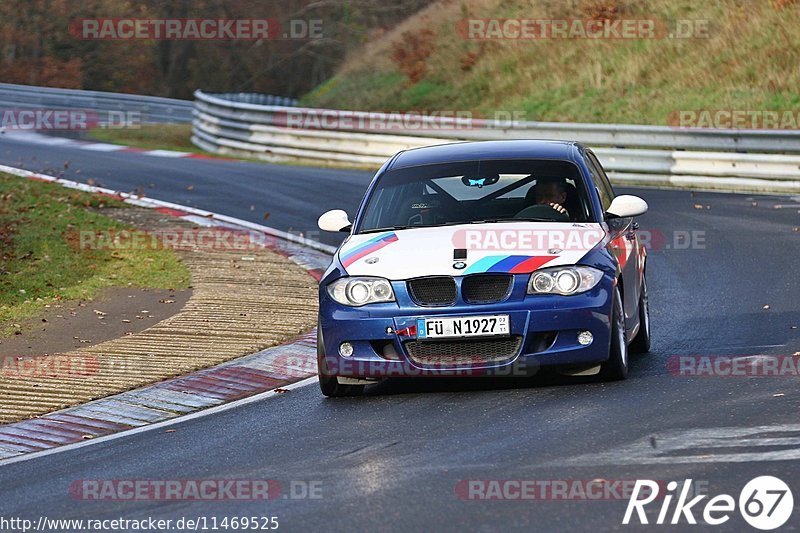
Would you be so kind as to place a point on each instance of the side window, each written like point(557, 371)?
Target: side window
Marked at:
point(600, 180)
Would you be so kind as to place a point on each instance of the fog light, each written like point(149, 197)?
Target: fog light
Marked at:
point(345, 349)
point(585, 338)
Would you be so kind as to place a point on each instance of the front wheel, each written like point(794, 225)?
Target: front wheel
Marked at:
point(328, 383)
point(616, 367)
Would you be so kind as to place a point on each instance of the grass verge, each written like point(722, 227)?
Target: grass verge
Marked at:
point(40, 225)
point(745, 60)
point(150, 137)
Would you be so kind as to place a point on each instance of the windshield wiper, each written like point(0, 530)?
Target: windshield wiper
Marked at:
point(527, 219)
point(404, 226)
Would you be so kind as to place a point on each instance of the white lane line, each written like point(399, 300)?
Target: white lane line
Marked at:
point(165, 153)
point(103, 147)
point(704, 445)
point(159, 425)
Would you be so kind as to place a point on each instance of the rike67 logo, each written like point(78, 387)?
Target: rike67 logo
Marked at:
point(765, 503)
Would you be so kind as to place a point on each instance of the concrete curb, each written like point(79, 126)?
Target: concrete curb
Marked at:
point(264, 371)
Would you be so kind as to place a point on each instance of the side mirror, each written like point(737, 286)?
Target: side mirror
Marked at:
point(334, 220)
point(626, 206)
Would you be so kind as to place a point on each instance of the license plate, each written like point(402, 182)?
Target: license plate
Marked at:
point(462, 326)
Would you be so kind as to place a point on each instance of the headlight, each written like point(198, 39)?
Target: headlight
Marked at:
point(564, 280)
point(356, 292)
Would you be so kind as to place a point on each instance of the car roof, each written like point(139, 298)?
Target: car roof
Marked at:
point(470, 151)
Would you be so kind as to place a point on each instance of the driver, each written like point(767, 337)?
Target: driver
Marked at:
point(552, 192)
point(546, 196)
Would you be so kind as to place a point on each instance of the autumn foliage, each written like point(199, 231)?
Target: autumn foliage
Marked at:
point(37, 48)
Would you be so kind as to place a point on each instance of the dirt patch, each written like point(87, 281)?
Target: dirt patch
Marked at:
point(115, 313)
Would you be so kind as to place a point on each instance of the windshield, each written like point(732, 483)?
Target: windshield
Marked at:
point(477, 191)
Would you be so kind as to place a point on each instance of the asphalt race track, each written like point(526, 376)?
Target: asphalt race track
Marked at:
point(399, 458)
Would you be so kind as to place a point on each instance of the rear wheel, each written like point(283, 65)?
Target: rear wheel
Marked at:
point(328, 383)
point(616, 367)
point(641, 342)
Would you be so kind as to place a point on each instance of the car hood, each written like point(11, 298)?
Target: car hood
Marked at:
point(508, 247)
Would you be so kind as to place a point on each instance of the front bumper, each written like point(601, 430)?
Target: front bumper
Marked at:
point(547, 327)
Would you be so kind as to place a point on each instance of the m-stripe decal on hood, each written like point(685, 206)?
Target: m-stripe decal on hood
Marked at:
point(513, 264)
point(366, 248)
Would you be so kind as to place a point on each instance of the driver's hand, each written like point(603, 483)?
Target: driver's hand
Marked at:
point(559, 208)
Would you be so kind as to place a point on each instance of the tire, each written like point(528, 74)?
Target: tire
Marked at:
point(641, 342)
point(328, 383)
point(616, 368)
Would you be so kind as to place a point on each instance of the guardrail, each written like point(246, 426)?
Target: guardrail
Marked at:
point(650, 155)
point(149, 109)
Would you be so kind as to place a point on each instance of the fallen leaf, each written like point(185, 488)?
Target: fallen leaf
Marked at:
point(266, 215)
point(281, 391)
point(170, 431)
point(190, 188)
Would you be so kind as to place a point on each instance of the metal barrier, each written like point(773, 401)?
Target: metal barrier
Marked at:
point(148, 109)
point(650, 155)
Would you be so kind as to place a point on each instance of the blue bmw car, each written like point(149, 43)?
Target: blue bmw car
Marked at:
point(484, 259)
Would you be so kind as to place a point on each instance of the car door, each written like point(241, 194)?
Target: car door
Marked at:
point(624, 243)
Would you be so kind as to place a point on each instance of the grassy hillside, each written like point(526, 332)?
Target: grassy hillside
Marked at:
point(748, 61)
